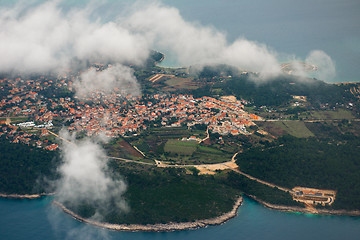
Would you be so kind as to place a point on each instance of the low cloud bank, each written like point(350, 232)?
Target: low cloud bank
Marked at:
point(44, 37)
point(192, 43)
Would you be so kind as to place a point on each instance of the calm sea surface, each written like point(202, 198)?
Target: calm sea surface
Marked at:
point(39, 219)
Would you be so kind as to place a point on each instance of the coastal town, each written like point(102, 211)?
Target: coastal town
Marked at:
point(29, 107)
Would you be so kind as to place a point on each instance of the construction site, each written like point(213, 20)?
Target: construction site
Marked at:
point(313, 196)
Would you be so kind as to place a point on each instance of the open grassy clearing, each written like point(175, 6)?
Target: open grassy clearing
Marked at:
point(205, 149)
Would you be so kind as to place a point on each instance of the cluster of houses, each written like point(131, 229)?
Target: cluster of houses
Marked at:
point(124, 117)
point(15, 134)
point(114, 114)
point(48, 124)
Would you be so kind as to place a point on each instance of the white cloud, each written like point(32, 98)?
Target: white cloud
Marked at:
point(195, 44)
point(325, 65)
point(44, 38)
point(251, 56)
point(84, 176)
point(117, 76)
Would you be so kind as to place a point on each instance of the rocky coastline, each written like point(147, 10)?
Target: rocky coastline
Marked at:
point(320, 211)
point(186, 225)
point(158, 227)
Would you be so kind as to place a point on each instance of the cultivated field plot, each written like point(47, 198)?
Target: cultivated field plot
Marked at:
point(295, 128)
point(121, 148)
point(176, 132)
point(167, 145)
point(152, 143)
point(180, 147)
point(271, 127)
point(182, 83)
point(160, 77)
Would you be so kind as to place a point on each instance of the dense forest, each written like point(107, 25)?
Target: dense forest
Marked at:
point(23, 168)
point(311, 162)
point(278, 91)
point(261, 191)
point(275, 91)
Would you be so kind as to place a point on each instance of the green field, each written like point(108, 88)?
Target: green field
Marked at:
point(295, 128)
point(15, 119)
point(153, 141)
point(180, 147)
point(332, 115)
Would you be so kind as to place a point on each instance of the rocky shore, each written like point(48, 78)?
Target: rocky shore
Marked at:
point(25, 196)
point(158, 227)
point(284, 208)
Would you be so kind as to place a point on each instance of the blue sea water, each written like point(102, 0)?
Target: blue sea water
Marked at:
point(39, 219)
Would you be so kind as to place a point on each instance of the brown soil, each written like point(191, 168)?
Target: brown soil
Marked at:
point(128, 148)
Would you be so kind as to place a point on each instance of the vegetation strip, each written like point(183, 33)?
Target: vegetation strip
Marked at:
point(158, 227)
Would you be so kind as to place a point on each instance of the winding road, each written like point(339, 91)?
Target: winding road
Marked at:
point(203, 168)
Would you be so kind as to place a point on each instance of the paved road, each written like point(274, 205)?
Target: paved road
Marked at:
point(132, 161)
point(262, 181)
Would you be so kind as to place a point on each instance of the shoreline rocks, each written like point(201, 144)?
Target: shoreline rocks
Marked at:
point(284, 208)
point(25, 196)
